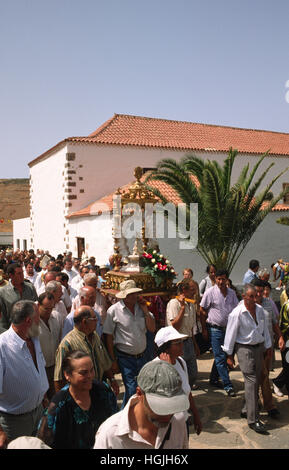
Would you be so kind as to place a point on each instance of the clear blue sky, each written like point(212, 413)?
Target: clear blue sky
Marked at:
point(69, 65)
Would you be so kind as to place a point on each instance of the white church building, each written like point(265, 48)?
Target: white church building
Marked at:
point(75, 213)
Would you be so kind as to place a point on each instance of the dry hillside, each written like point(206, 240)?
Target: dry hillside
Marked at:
point(14, 201)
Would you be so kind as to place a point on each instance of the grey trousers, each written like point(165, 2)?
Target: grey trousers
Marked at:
point(251, 364)
point(189, 356)
point(21, 425)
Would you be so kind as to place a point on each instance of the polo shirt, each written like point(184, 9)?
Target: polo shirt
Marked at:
point(128, 329)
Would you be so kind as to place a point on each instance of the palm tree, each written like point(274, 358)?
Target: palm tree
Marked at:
point(229, 214)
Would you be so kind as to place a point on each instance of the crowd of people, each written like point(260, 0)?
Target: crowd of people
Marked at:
point(64, 343)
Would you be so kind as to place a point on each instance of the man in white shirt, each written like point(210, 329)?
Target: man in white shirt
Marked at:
point(29, 272)
point(148, 421)
point(78, 282)
point(68, 269)
point(23, 380)
point(247, 334)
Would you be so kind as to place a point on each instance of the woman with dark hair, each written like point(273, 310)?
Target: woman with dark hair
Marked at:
point(209, 280)
point(78, 409)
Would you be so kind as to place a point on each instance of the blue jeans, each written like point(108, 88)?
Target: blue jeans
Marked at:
point(129, 368)
point(219, 368)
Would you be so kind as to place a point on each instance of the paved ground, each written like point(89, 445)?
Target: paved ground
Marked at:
point(222, 426)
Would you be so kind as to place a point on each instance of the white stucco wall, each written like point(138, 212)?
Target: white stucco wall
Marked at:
point(269, 243)
point(62, 185)
point(21, 232)
point(97, 232)
point(47, 199)
point(101, 169)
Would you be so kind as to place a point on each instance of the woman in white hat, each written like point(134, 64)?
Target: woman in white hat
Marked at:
point(170, 349)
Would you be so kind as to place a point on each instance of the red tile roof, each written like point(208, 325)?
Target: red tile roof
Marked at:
point(138, 131)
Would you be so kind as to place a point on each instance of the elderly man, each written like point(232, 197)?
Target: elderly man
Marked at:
point(125, 327)
point(39, 282)
point(181, 314)
point(83, 337)
point(59, 311)
point(87, 295)
point(50, 336)
point(148, 421)
point(273, 327)
point(17, 289)
point(23, 380)
point(247, 334)
point(90, 280)
point(216, 305)
point(52, 276)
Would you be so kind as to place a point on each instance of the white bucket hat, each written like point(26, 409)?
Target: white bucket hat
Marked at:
point(127, 287)
point(168, 333)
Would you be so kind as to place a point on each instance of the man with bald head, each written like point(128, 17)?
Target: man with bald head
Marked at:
point(59, 311)
point(90, 279)
point(87, 296)
point(83, 337)
point(39, 282)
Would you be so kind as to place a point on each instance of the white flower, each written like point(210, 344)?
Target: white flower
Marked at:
point(161, 256)
point(153, 260)
point(172, 270)
point(154, 252)
point(168, 261)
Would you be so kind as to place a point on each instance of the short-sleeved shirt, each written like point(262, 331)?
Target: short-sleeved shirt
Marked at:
point(9, 295)
point(189, 318)
point(67, 426)
point(75, 340)
point(219, 306)
point(128, 329)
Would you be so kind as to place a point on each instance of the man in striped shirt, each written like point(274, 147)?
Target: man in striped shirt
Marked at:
point(83, 337)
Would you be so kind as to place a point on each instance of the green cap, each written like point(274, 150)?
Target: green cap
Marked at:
point(162, 386)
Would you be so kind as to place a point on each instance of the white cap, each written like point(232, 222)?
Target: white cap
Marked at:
point(27, 442)
point(168, 333)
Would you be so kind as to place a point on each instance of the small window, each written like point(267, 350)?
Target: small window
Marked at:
point(24, 245)
point(18, 243)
